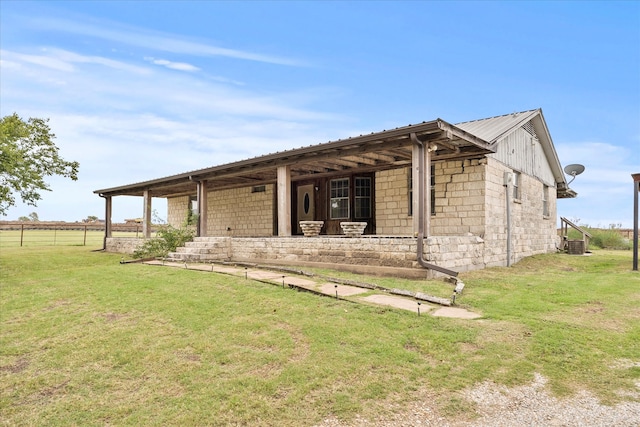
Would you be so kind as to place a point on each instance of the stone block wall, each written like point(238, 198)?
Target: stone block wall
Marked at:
point(124, 245)
point(532, 232)
point(459, 198)
point(240, 212)
point(392, 203)
point(178, 210)
point(460, 253)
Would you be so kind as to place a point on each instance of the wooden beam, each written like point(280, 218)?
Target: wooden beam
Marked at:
point(146, 215)
point(284, 201)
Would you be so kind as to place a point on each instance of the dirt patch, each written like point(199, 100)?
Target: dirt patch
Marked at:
point(16, 367)
point(455, 312)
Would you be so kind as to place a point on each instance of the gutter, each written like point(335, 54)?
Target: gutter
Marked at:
point(421, 185)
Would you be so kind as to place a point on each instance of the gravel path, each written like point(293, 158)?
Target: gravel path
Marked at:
point(529, 405)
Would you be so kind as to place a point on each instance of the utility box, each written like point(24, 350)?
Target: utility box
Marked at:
point(576, 247)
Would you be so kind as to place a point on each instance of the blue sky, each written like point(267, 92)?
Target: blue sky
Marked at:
point(140, 90)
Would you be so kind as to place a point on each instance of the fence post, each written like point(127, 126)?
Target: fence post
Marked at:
point(21, 233)
point(84, 243)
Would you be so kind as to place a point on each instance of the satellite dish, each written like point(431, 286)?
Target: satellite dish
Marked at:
point(573, 170)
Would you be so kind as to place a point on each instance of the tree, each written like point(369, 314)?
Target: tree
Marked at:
point(33, 216)
point(27, 156)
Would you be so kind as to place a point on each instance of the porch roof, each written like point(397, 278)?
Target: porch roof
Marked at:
point(365, 153)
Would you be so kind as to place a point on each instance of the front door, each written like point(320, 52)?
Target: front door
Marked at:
point(306, 205)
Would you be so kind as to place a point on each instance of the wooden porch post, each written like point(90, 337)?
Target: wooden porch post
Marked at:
point(636, 190)
point(202, 208)
point(146, 217)
point(415, 183)
point(284, 201)
point(107, 220)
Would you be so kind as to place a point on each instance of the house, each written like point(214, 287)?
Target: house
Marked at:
point(433, 195)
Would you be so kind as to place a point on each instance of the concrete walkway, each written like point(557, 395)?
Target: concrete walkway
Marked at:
point(322, 287)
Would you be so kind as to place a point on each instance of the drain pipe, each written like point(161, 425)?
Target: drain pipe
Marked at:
point(508, 185)
point(421, 213)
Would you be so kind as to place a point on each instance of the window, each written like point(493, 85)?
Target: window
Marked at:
point(259, 189)
point(339, 202)
point(545, 200)
point(433, 190)
point(516, 185)
point(363, 198)
point(193, 205)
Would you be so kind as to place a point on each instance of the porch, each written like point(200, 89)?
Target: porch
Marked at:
point(370, 254)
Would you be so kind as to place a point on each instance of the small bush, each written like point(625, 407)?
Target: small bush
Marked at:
point(168, 238)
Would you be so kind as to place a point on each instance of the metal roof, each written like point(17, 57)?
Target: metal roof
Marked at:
point(387, 149)
point(376, 151)
point(494, 128)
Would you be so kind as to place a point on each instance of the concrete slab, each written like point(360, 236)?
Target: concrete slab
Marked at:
point(227, 270)
point(343, 290)
point(397, 302)
point(265, 275)
point(329, 289)
point(455, 312)
point(299, 281)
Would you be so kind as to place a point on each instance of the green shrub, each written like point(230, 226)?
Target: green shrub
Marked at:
point(167, 239)
point(602, 238)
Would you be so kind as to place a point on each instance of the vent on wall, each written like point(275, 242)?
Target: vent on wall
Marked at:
point(258, 189)
point(529, 128)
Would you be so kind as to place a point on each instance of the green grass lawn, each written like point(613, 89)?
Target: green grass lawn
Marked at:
point(85, 340)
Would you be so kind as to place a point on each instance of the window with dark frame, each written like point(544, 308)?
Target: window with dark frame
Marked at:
point(339, 198)
point(362, 197)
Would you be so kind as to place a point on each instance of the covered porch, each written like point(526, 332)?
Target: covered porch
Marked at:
point(307, 171)
point(332, 182)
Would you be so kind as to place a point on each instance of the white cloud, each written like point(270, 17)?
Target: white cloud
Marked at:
point(180, 66)
point(153, 40)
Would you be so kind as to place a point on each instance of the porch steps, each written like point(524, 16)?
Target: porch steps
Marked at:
point(201, 249)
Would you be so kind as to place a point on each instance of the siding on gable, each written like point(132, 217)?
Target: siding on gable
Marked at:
point(523, 152)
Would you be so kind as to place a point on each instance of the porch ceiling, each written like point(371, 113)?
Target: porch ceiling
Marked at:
point(366, 153)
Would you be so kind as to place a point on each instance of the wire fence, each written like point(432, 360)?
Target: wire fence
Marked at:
point(18, 234)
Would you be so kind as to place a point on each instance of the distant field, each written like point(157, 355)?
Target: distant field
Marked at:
point(16, 238)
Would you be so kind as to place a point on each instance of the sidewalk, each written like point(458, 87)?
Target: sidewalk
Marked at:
point(363, 295)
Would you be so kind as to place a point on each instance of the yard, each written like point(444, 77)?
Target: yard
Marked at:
point(86, 340)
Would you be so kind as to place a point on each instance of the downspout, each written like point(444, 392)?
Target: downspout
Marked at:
point(508, 181)
point(421, 231)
